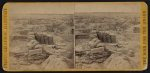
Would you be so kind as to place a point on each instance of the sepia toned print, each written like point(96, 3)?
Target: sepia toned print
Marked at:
point(74, 36)
point(107, 40)
point(41, 42)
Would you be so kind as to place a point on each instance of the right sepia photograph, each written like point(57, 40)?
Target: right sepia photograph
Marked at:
point(107, 36)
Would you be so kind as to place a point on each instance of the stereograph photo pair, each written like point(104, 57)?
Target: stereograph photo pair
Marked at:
point(75, 36)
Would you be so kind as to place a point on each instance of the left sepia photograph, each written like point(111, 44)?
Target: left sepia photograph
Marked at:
point(41, 39)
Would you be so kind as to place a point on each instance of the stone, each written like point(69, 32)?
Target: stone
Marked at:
point(49, 49)
point(37, 58)
point(35, 51)
point(38, 46)
point(94, 42)
point(99, 55)
point(97, 50)
point(31, 44)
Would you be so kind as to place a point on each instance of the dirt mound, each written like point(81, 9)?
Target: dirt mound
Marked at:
point(96, 55)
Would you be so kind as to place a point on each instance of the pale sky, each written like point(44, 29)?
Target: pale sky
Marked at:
point(107, 7)
point(70, 8)
point(42, 8)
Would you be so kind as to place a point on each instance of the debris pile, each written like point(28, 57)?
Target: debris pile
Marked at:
point(92, 52)
point(36, 54)
point(42, 50)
